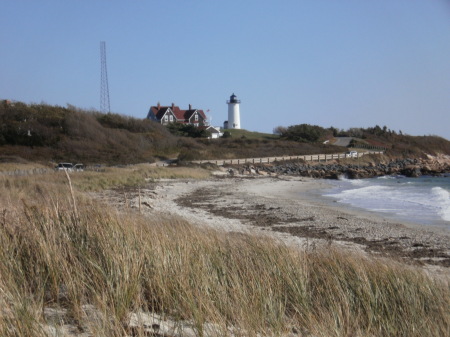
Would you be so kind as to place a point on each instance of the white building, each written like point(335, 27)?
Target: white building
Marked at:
point(234, 117)
point(215, 132)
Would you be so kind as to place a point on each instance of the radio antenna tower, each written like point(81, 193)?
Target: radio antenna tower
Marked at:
point(104, 89)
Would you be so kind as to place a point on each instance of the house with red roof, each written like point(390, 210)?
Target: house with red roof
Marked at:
point(173, 114)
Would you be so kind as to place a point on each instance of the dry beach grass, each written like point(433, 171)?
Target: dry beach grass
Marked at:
point(71, 265)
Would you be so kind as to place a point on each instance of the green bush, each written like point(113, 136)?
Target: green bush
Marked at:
point(187, 130)
point(304, 133)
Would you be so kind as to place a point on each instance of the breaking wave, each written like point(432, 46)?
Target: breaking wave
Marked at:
point(422, 200)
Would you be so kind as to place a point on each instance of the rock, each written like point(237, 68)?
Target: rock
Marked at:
point(411, 171)
point(332, 175)
point(409, 167)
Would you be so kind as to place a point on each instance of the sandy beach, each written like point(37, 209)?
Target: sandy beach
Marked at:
point(289, 209)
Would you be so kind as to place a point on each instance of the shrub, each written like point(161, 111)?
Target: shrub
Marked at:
point(44, 132)
point(187, 130)
point(303, 133)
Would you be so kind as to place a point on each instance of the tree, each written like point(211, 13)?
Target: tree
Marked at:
point(226, 134)
point(279, 130)
point(334, 130)
point(187, 130)
point(304, 133)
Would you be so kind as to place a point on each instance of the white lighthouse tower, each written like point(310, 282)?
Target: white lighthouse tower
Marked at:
point(234, 117)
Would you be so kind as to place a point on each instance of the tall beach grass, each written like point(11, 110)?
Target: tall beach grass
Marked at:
point(60, 250)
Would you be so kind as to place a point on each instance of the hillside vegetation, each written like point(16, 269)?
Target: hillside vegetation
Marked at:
point(44, 133)
point(51, 133)
point(395, 144)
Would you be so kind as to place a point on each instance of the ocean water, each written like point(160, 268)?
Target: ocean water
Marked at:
point(423, 201)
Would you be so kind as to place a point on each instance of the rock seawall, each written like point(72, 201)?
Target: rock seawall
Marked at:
point(406, 167)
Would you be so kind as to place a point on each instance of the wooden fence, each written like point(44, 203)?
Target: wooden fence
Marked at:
point(268, 160)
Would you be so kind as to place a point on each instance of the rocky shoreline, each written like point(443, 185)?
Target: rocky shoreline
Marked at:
point(334, 170)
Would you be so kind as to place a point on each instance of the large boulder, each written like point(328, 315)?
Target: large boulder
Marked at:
point(411, 171)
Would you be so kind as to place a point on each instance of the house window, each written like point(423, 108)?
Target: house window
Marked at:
point(196, 118)
point(166, 118)
point(196, 124)
point(171, 118)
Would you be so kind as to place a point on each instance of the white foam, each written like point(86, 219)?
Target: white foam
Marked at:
point(386, 177)
point(405, 199)
point(442, 198)
point(357, 193)
point(394, 177)
point(353, 182)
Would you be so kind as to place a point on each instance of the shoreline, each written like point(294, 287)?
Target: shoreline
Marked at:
point(282, 207)
point(332, 202)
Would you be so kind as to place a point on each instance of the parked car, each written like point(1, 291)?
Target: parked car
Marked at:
point(352, 154)
point(78, 167)
point(64, 167)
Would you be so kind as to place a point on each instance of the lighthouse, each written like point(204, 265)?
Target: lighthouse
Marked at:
point(234, 118)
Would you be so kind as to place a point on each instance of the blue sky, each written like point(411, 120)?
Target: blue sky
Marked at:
point(346, 63)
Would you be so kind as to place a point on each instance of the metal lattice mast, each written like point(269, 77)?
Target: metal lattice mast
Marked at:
point(104, 89)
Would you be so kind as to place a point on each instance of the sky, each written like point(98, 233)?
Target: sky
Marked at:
point(346, 63)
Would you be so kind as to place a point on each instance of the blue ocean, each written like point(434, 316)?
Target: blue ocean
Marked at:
point(423, 201)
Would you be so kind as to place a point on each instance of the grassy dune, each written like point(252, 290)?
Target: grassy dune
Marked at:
point(59, 249)
point(132, 176)
point(106, 177)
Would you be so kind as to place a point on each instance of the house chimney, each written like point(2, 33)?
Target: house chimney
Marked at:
point(173, 105)
point(190, 107)
point(159, 105)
